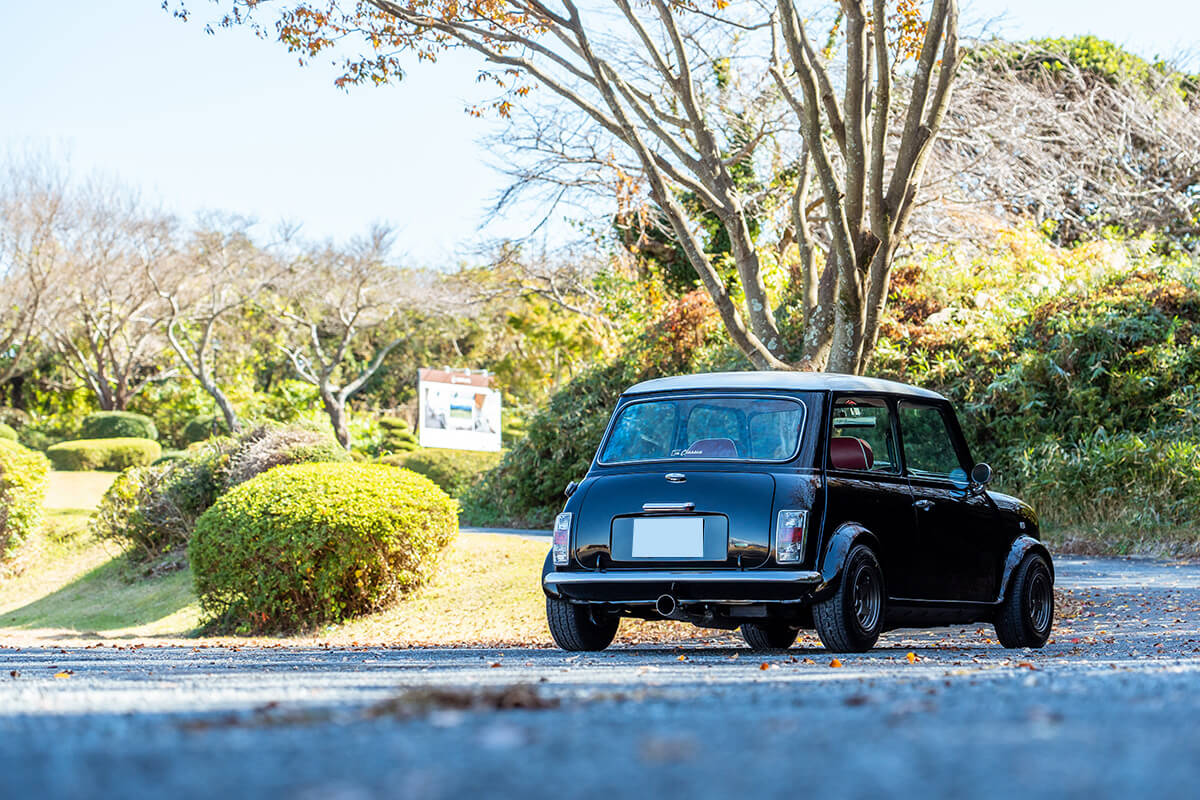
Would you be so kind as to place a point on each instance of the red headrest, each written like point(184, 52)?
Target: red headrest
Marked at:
point(848, 452)
point(711, 448)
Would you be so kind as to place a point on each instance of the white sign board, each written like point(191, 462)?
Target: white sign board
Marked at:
point(458, 410)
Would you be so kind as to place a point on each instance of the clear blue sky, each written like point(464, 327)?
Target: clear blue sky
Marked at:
point(230, 122)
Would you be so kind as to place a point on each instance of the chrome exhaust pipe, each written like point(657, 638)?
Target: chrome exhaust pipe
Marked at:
point(665, 605)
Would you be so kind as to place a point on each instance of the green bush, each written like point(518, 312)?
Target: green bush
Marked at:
point(200, 428)
point(117, 425)
point(8, 433)
point(1124, 480)
point(23, 475)
point(106, 454)
point(454, 471)
point(35, 439)
point(153, 510)
point(307, 544)
point(273, 445)
point(398, 437)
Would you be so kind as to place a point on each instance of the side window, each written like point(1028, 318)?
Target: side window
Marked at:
point(928, 445)
point(861, 435)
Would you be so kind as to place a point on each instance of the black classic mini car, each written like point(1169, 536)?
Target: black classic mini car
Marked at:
point(774, 501)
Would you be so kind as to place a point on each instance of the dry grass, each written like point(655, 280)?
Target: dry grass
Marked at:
point(1112, 540)
point(77, 490)
point(487, 593)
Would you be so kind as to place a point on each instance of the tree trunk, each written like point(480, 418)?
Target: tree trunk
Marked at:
point(231, 419)
point(336, 410)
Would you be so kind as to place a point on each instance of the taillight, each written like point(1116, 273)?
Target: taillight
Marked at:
point(562, 538)
point(789, 536)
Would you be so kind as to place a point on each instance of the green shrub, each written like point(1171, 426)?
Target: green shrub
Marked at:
point(200, 428)
point(271, 445)
point(1124, 480)
point(454, 471)
point(36, 440)
point(398, 437)
point(106, 454)
point(23, 475)
point(306, 544)
point(117, 425)
point(170, 455)
point(8, 433)
point(153, 510)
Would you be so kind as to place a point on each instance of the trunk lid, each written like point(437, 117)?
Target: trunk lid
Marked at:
point(729, 512)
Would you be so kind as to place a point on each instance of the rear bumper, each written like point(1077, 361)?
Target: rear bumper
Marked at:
point(644, 587)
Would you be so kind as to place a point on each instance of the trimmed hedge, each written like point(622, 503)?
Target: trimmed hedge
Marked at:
point(454, 471)
point(106, 454)
point(398, 437)
point(307, 544)
point(7, 432)
point(23, 476)
point(201, 428)
point(117, 425)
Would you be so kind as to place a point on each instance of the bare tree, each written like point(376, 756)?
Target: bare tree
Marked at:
point(645, 76)
point(219, 272)
point(335, 299)
point(100, 316)
point(1033, 134)
point(33, 209)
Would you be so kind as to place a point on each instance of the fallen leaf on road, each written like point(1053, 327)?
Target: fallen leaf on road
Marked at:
point(764, 665)
point(1027, 665)
point(494, 664)
point(66, 673)
point(835, 663)
point(15, 674)
point(912, 658)
point(683, 658)
point(808, 661)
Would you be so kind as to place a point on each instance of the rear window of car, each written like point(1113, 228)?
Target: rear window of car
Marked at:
point(706, 428)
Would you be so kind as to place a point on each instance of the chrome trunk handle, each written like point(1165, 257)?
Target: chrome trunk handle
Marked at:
point(656, 508)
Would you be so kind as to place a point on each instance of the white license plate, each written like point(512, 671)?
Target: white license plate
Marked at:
point(669, 537)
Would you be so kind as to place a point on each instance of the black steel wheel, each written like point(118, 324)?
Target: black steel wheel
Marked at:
point(1027, 614)
point(851, 619)
point(575, 627)
point(769, 635)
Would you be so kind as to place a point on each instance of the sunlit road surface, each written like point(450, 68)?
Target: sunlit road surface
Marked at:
point(1110, 708)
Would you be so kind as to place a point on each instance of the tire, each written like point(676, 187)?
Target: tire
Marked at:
point(769, 635)
point(574, 629)
point(851, 620)
point(1027, 613)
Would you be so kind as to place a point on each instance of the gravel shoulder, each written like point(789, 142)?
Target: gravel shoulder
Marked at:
point(1111, 707)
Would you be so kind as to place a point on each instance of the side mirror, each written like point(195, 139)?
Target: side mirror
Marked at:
point(981, 474)
point(570, 490)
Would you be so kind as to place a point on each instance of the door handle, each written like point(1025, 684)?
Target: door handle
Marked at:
point(923, 505)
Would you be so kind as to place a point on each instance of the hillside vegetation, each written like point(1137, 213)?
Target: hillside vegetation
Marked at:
point(1076, 371)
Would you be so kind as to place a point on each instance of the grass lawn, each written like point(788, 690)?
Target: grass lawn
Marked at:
point(485, 594)
point(81, 490)
point(65, 585)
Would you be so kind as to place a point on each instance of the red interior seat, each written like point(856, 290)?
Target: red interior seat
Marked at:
point(849, 452)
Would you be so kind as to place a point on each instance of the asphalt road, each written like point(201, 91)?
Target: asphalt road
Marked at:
point(1111, 708)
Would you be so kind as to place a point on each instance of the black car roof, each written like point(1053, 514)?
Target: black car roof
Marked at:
point(799, 381)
